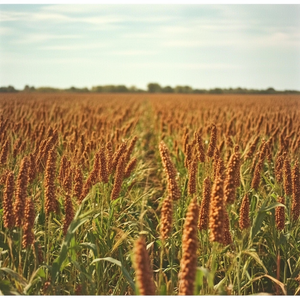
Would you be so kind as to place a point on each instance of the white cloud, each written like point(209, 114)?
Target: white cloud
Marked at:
point(6, 31)
point(9, 59)
point(147, 35)
point(275, 39)
point(70, 8)
point(57, 17)
point(134, 52)
point(77, 46)
point(185, 66)
point(35, 38)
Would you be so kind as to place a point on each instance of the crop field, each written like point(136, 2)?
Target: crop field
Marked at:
point(144, 194)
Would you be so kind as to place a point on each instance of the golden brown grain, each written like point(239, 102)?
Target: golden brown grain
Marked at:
point(166, 218)
point(119, 175)
point(192, 183)
point(213, 141)
point(227, 240)
point(188, 263)
point(296, 191)
point(280, 215)
point(244, 220)
point(143, 272)
point(216, 212)
point(51, 204)
point(170, 170)
point(29, 216)
point(8, 213)
point(69, 213)
point(21, 192)
point(103, 175)
point(204, 209)
point(287, 178)
point(130, 167)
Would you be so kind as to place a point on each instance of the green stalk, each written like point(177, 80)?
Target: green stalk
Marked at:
point(172, 264)
point(213, 265)
point(47, 238)
point(20, 249)
point(161, 265)
point(238, 274)
point(26, 262)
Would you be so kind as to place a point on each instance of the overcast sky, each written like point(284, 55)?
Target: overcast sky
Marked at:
point(204, 46)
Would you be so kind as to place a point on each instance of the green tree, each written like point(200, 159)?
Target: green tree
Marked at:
point(183, 89)
point(154, 88)
point(167, 89)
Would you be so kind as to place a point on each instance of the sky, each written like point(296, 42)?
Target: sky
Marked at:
point(203, 46)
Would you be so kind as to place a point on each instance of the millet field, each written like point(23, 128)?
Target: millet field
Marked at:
point(149, 194)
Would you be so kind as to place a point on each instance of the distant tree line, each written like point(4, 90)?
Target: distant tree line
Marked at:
point(151, 88)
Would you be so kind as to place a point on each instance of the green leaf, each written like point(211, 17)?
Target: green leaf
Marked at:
point(90, 246)
point(198, 281)
point(257, 224)
point(119, 264)
point(6, 289)
point(15, 275)
point(272, 206)
point(257, 259)
point(82, 271)
point(38, 273)
point(75, 224)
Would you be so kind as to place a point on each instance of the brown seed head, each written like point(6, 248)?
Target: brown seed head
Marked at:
point(118, 178)
point(109, 155)
point(16, 147)
point(256, 176)
point(86, 188)
point(62, 169)
point(188, 263)
point(8, 213)
point(185, 140)
point(32, 168)
point(244, 221)
point(213, 141)
point(232, 178)
point(287, 178)
point(69, 213)
point(4, 153)
point(130, 148)
point(216, 212)
point(21, 191)
point(199, 147)
point(192, 183)
point(130, 166)
point(29, 216)
point(220, 169)
point(296, 191)
point(170, 171)
point(188, 155)
point(23, 146)
point(143, 272)
point(204, 209)
point(67, 183)
point(96, 169)
point(251, 149)
point(227, 240)
point(117, 155)
point(166, 218)
point(103, 175)
point(51, 204)
point(78, 183)
point(278, 167)
point(279, 215)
